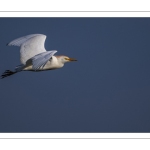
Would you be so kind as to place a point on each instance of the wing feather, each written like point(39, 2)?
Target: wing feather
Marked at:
point(21, 40)
point(41, 59)
point(30, 46)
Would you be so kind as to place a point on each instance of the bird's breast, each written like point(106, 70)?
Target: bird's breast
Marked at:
point(53, 63)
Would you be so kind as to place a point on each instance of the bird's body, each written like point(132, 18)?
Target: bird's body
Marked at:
point(55, 63)
point(34, 57)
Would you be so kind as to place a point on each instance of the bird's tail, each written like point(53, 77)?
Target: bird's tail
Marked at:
point(9, 72)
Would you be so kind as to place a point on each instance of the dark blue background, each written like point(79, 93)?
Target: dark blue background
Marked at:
point(106, 90)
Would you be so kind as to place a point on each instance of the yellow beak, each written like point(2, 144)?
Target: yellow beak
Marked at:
point(72, 59)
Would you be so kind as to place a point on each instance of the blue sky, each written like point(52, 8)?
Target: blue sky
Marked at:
point(106, 90)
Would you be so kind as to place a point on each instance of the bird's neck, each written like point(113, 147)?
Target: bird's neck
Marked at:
point(58, 61)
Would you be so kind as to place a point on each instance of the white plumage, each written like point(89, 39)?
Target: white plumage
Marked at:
point(30, 46)
point(33, 55)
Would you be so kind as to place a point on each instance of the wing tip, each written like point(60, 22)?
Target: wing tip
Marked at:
point(9, 44)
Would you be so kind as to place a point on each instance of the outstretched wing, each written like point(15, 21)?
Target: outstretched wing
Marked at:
point(41, 59)
point(30, 46)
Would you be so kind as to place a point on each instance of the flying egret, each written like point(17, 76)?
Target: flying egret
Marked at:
point(34, 57)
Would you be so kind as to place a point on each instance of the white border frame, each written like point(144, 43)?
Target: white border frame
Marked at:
point(75, 14)
point(74, 135)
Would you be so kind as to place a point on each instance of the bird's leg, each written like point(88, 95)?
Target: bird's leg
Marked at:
point(8, 73)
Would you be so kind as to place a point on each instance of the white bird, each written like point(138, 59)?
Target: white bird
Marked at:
point(34, 57)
